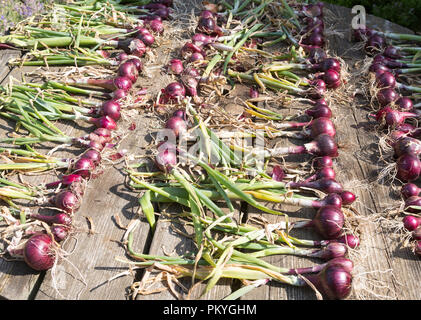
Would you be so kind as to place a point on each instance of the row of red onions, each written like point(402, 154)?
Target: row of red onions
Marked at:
point(329, 219)
point(394, 111)
point(39, 251)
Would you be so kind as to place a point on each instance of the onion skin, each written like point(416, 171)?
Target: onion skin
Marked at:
point(38, 252)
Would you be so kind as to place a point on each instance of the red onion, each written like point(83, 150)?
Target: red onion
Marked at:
point(65, 180)
point(166, 160)
point(411, 222)
point(313, 10)
point(322, 126)
point(176, 66)
point(181, 113)
point(128, 69)
point(322, 145)
point(348, 197)
point(111, 108)
point(196, 56)
point(322, 162)
point(314, 39)
point(134, 47)
point(118, 94)
point(378, 68)
point(416, 234)
point(392, 52)
point(84, 167)
point(92, 155)
point(137, 63)
point(328, 222)
point(407, 145)
point(325, 172)
point(325, 185)
point(375, 44)
point(333, 282)
point(410, 190)
point(386, 80)
point(141, 31)
point(332, 78)
point(103, 133)
point(190, 85)
point(66, 201)
point(164, 13)
point(278, 174)
point(59, 218)
point(206, 25)
point(253, 93)
point(122, 56)
point(413, 201)
point(350, 240)
point(38, 252)
point(405, 104)
point(318, 89)
point(200, 39)
point(346, 264)
point(316, 55)
point(408, 167)
point(156, 25)
point(105, 122)
point(319, 111)
point(207, 14)
point(327, 64)
point(174, 91)
point(147, 39)
point(177, 125)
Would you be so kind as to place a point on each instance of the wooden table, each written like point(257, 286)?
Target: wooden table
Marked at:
point(384, 270)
